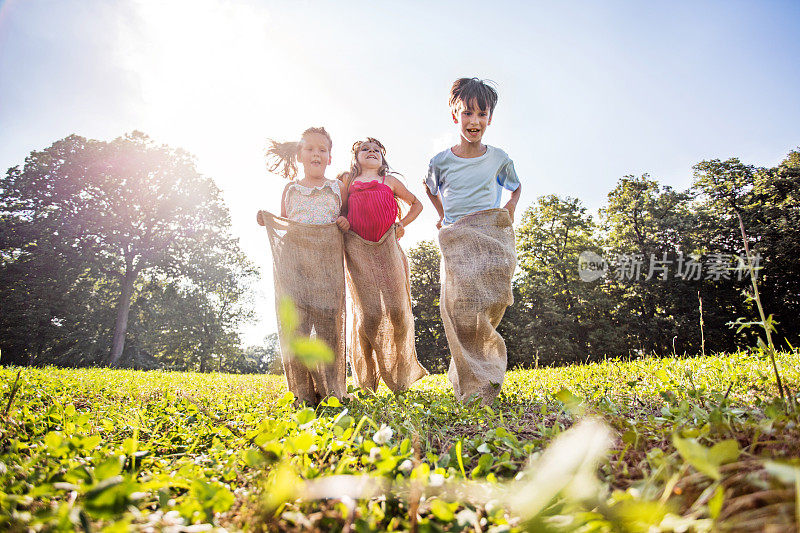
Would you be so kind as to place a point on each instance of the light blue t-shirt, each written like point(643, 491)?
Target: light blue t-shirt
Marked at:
point(470, 184)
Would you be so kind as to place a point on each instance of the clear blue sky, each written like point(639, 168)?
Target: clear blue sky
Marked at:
point(589, 91)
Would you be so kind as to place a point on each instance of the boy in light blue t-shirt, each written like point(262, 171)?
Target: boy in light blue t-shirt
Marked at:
point(471, 176)
point(476, 238)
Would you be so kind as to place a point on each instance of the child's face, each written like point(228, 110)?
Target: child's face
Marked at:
point(369, 156)
point(472, 121)
point(314, 154)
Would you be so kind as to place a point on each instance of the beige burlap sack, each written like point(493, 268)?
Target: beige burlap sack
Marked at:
point(478, 261)
point(382, 337)
point(308, 264)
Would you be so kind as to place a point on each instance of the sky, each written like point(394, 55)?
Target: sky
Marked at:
point(589, 91)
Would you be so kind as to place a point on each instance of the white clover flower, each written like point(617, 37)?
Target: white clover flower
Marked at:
point(436, 480)
point(406, 466)
point(197, 528)
point(374, 453)
point(383, 435)
point(348, 502)
point(173, 518)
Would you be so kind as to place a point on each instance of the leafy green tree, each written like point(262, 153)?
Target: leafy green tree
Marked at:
point(431, 341)
point(265, 358)
point(768, 202)
point(45, 265)
point(103, 216)
point(557, 316)
point(653, 225)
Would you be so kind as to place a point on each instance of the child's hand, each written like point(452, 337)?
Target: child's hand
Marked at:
point(343, 224)
point(259, 220)
point(439, 224)
point(399, 230)
point(510, 213)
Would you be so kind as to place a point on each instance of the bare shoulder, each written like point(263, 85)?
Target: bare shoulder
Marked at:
point(394, 183)
point(391, 181)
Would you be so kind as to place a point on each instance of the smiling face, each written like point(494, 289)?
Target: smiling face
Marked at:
point(472, 120)
point(369, 156)
point(314, 153)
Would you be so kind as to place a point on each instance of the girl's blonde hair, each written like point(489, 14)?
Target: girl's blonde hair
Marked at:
point(282, 156)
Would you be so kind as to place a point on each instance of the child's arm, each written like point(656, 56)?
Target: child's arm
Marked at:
point(437, 204)
point(342, 221)
point(511, 206)
point(404, 194)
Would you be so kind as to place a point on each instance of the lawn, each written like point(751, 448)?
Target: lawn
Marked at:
point(652, 444)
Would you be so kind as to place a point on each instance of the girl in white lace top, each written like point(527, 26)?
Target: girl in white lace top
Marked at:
point(313, 199)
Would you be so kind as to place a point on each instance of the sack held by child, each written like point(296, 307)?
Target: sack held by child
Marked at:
point(478, 261)
point(309, 270)
point(465, 184)
point(308, 260)
point(382, 338)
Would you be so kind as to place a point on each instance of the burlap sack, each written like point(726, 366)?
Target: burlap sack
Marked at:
point(308, 265)
point(478, 261)
point(382, 337)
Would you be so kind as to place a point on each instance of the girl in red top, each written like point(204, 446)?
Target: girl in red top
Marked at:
point(382, 338)
point(371, 193)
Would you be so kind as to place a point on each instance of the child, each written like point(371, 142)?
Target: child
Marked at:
point(377, 269)
point(465, 184)
point(308, 260)
point(371, 193)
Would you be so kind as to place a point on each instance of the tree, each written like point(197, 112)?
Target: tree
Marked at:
point(768, 202)
point(261, 359)
point(45, 264)
point(557, 316)
point(118, 211)
point(431, 341)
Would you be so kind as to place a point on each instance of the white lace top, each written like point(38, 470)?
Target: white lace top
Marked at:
point(314, 205)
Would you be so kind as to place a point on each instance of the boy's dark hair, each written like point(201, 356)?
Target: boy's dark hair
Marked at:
point(282, 156)
point(465, 90)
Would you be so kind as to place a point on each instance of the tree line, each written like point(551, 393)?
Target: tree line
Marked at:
point(120, 253)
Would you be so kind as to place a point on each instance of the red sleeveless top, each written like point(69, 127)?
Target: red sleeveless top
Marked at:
point(371, 209)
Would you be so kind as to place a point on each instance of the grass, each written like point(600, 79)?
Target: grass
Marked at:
point(694, 444)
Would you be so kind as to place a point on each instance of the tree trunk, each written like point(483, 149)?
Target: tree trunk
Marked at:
point(121, 325)
point(204, 353)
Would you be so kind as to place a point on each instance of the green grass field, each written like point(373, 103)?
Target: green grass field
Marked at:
point(701, 444)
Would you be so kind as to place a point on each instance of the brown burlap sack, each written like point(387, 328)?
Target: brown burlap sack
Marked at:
point(308, 265)
point(382, 337)
point(478, 261)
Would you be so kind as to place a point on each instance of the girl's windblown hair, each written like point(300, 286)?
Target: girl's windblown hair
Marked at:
point(282, 156)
